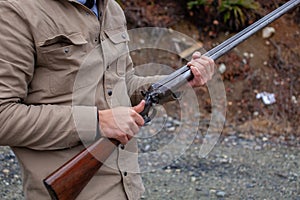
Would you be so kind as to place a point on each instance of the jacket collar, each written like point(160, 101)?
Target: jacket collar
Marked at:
point(104, 2)
point(100, 2)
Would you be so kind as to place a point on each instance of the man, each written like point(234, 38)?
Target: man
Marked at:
point(60, 65)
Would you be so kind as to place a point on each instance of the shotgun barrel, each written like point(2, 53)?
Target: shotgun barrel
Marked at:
point(184, 72)
point(69, 180)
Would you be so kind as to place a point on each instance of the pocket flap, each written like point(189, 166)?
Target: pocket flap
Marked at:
point(117, 35)
point(75, 39)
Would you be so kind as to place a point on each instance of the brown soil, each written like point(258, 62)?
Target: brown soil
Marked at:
point(274, 67)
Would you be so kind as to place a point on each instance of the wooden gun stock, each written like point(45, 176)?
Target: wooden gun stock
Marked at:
point(68, 181)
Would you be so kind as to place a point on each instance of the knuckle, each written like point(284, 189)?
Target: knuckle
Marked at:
point(119, 134)
point(132, 113)
point(131, 123)
point(123, 139)
point(127, 129)
point(206, 63)
point(211, 61)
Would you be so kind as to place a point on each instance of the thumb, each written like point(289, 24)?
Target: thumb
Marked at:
point(140, 107)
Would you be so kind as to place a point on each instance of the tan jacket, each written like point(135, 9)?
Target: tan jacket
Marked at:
point(59, 63)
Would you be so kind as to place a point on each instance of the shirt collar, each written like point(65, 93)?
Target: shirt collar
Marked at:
point(94, 8)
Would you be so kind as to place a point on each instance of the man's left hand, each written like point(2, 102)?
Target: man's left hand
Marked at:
point(202, 68)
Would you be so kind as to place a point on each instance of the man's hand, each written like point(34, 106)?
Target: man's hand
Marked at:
point(202, 68)
point(121, 123)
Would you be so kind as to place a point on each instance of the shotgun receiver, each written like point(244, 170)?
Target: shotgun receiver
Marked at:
point(68, 181)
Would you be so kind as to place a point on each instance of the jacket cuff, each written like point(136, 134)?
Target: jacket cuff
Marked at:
point(86, 123)
point(98, 134)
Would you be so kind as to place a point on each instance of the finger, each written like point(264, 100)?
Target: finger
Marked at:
point(123, 138)
point(210, 62)
point(134, 129)
point(132, 126)
point(205, 60)
point(198, 76)
point(129, 137)
point(140, 107)
point(139, 120)
point(196, 72)
point(137, 117)
point(199, 70)
point(205, 67)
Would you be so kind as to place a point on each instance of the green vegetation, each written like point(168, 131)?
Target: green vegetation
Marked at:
point(192, 4)
point(234, 13)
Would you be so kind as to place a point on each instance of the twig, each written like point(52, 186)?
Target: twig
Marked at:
point(281, 61)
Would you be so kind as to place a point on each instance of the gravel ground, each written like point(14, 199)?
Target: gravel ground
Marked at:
point(240, 166)
point(10, 178)
point(229, 172)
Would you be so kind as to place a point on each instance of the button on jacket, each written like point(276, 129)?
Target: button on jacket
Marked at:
point(59, 64)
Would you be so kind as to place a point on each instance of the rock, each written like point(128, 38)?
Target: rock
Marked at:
point(255, 113)
point(246, 54)
point(222, 68)
point(142, 41)
point(147, 147)
point(268, 32)
point(294, 100)
point(220, 194)
point(5, 171)
point(193, 179)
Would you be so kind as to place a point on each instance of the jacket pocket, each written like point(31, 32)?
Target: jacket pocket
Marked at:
point(115, 49)
point(59, 49)
point(62, 55)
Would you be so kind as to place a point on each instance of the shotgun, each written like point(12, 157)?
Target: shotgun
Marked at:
point(68, 181)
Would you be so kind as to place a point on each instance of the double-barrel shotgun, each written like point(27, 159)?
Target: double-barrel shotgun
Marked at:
point(68, 181)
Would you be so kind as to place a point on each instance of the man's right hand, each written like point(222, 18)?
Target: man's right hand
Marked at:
point(121, 123)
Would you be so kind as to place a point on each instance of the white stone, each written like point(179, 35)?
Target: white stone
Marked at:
point(246, 54)
point(294, 100)
point(222, 68)
point(268, 32)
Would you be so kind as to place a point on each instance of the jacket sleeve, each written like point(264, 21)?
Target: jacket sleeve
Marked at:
point(38, 127)
point(137, 84)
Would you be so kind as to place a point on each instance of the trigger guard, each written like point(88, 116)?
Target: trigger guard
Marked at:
point(148, 119)
point(153, 113)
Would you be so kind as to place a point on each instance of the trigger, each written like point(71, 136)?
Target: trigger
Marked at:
point(147, 118)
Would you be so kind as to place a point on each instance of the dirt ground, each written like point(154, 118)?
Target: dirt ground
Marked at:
point(257, 65)
point(258, 170)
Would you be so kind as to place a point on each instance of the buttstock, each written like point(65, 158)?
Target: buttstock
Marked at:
point(68, 181)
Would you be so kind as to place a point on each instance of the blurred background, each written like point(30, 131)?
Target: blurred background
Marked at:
point(266, 65)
